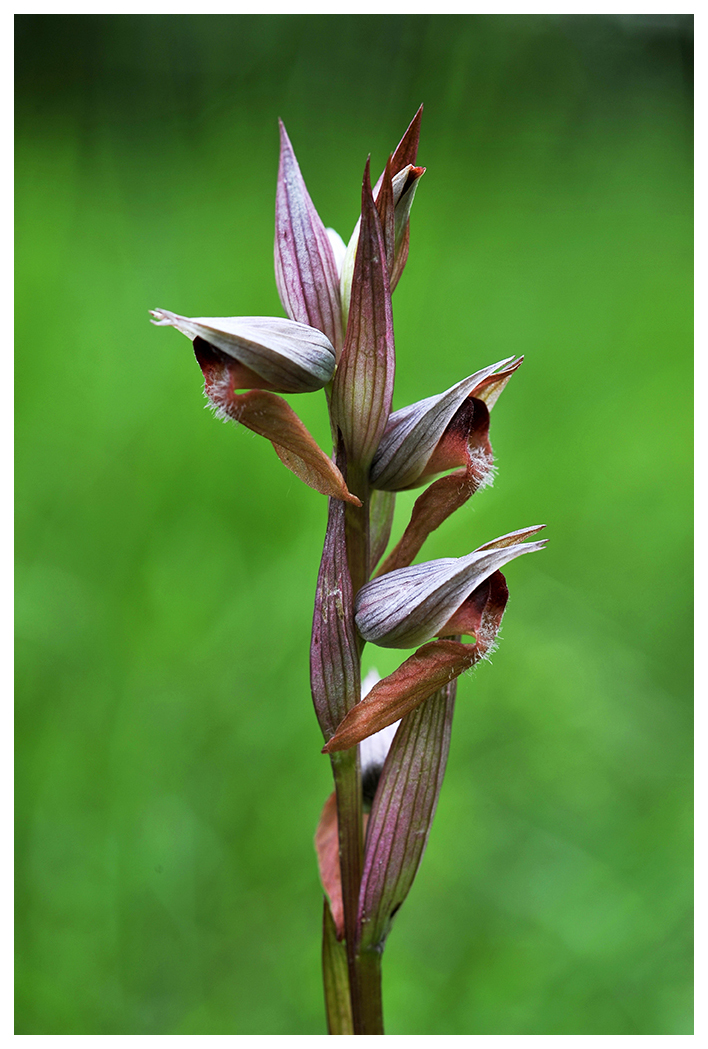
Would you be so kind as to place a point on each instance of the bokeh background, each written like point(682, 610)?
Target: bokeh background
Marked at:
point(169, 778)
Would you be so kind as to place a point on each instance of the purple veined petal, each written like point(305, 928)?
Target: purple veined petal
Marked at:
point(412, 433)
point(334, 655)
point(411, 605)
point(362, 389)
point(291, 357)
point(305, 269)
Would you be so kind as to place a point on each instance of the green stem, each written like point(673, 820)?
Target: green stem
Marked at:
point(347, 782)
point(336, 978)
point(369, 986)
point(364, 968)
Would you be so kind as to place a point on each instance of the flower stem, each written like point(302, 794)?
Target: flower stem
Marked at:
point(347, 782)
point(336, 978)
point(364, 969)
point(369, 986)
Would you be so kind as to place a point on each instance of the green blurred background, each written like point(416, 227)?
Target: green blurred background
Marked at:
point(169, 778)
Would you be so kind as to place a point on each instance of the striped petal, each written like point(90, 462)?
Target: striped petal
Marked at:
point(406, 456)
point(305, 267)
point(270, 353)
point(410, 606)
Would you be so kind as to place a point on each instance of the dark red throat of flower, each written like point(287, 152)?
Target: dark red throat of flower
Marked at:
point(467, 433)
point(224, 374)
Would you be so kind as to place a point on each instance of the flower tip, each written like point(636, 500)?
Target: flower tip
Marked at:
point(532, 531)
point(161, 317)
point(366, 182)
point(284, 138)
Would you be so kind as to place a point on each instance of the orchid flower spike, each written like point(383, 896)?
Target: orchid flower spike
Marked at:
point(258, 353)
point(441, 432)
point(410, 606)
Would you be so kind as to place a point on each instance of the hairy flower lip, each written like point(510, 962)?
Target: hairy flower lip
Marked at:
point(409, 606)
point(413, 433)
point(289, 356)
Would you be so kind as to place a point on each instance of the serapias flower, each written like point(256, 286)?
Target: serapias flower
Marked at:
point(259, 353)
point(412, 605)
point(441, 601)
point(441, 432)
